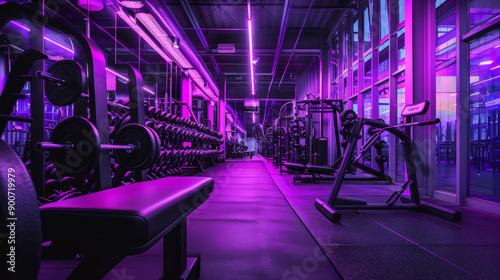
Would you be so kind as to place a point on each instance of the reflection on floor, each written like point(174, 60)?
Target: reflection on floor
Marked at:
point(258, 225)
point(485, 184)
point(397, 244)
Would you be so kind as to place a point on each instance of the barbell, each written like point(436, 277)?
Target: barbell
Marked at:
point(75, 146)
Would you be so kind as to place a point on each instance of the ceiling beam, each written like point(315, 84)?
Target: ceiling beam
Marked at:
point(192, 18)
point(295, 7)
point(243, 29)
point(244, 52)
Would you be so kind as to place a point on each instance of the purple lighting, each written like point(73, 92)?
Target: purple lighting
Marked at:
point(20, 25)
point(47, 39)
point(59, 45)
point(251, 55)
point(486, 62)
point(126, 79)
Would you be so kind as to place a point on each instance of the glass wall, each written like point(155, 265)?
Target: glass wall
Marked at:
point(367, 26)
point(482, 11)
point(368, 71)
point(446, 95)
point(367, 113)
point(400, 167)
point(484, 92)
point(383, 58)
point(384, 109)
point(384, 18)
point(355, 33)
point(401, 47)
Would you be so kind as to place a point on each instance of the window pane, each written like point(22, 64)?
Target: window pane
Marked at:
point(345, 52)
point(401, 48)
point(445, 32)
point(384, 19)
point(401, 167)
point(355, 41)
point(368, 71)
point(484, 117)
point(401, 11)
point(367, 113)
point(383, 58)
point(355, 104)
point(446, 132)
point(355, 79)
point(482, 11)
point(367, 29)
point(384, 110)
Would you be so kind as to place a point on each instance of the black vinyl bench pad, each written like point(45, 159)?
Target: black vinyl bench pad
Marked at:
point(125, 216)
point(296, 166)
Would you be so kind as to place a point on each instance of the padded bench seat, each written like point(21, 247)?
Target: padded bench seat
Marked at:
point(296, 167)
point(320, 169)
point(109, 225)
point(130, 214)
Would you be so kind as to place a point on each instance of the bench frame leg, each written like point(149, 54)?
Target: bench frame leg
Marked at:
point(176, 263)
point(95, 266)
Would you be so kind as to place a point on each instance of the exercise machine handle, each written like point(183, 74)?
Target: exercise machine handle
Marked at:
point(429, 122)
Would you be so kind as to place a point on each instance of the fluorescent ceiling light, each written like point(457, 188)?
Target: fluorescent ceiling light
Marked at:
point(132, 4)
point(487, 62)
point(143, 35)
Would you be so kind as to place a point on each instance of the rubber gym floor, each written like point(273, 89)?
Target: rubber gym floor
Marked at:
point(257, 224)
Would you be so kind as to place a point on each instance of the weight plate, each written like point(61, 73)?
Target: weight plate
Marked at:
point(84, 155)
point(17, 190)
point(68, 92)
point(146, 143)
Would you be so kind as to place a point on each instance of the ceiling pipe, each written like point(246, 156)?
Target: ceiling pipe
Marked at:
point(296, 42)
point(197, 28)
point(281, 37)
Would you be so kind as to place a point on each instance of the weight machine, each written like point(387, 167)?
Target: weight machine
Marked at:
point(402, 132)
point(302, 154)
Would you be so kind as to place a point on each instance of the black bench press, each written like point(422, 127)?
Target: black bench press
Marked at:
point(317, 173)
point(109, 225)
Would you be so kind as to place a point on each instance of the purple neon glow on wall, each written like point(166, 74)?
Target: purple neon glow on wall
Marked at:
point(126, 79)
point(252, 82)
point(47, 39)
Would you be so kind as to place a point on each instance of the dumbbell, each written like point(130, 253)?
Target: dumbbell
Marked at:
point(344, 143)
point(51, 171)
point(380, 144)
point(381, 159)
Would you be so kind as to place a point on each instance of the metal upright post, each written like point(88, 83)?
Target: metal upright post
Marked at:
point(420, 83)
point(37, 113)
point(463, 107)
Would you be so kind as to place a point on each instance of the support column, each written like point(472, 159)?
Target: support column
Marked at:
point(420, 46)
point(186, 96)
point(37, 113)
point(326, 126)
point(462, 150)
point(222, 109)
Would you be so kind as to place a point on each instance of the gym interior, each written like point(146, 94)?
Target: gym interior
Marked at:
point(259, 139)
